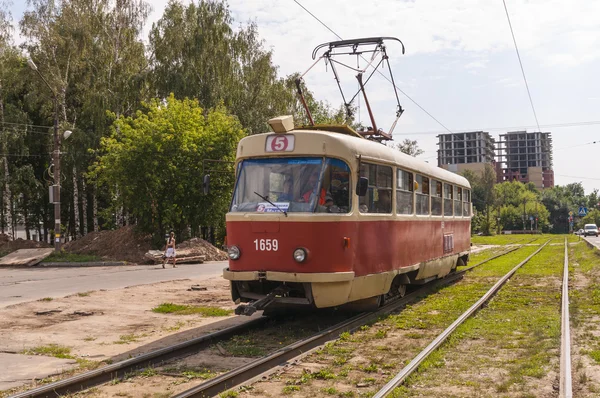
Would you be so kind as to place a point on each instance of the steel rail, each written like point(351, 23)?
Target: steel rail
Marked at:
point(120, 369)
point(414, 364)
point(566, 386)
point(285, 355)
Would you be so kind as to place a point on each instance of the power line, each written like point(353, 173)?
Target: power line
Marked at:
point(466, 130)
point(398, 88)
point(582, 178)
point(16, 155)
point(521, 63)
point(576, 146)
point(26, 124)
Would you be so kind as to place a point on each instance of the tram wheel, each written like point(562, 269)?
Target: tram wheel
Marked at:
point(402, 290)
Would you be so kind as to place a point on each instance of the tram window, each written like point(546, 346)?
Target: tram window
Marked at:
point(466, 202)
point(404, 192)
point(457, 201)
point(447, 200)
point(379, 195)
point(422, 198)
point(336, 184)
point(436, 198)
point(295, 184)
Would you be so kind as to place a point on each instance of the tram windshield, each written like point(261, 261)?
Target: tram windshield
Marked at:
point(292, 185)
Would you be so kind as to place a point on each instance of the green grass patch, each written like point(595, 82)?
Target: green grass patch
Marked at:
point(85, 294)
point(287, 390)
point(128, 338)
point(178, 309)
point(502, 239)
point(46, 299)
point(50, 350)
point(229, 394)
point(518, 331)
point(64, 257)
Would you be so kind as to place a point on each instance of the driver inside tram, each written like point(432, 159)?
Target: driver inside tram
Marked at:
point(310, 187)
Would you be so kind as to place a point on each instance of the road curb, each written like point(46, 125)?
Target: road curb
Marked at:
point(86, 264)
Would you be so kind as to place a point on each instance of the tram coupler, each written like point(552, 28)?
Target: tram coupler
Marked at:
point(255, 306)
point(262, 303)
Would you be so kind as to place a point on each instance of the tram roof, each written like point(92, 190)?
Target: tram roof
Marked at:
point(319, 142)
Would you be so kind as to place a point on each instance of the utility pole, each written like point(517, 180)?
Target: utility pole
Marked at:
point(524, 215)
point(56, 160)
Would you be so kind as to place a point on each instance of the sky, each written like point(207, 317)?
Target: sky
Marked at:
point(460, 65)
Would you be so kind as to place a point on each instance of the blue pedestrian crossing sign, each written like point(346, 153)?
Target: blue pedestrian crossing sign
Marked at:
point(582, 211)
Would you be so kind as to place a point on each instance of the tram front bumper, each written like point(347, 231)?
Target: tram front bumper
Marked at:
point(276, 276)
point(325, 289)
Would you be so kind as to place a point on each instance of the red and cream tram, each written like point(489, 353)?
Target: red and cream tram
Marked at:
point(322, 217)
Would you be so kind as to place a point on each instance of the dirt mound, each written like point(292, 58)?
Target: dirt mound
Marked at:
point(200, 247)
point(8, 246)
point(122, 244)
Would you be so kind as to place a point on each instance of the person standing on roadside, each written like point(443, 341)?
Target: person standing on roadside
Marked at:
point(170, 250)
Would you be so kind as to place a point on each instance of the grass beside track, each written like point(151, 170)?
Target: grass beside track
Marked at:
point(584, 296)
point(511, 347)
point(178, 309)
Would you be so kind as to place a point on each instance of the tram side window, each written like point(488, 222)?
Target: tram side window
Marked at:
point(379, 195)
point(436, 198)
point(457, 201)
point(448, 200)
point(404, 193)
point(466, 202)
point(422, 197)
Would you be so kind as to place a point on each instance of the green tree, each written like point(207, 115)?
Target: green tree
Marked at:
point(515, 198)
point(483, 198)
point(593, 217)
point(197, 54)
point(408, 147)
point(92, 55)
point(155, 161)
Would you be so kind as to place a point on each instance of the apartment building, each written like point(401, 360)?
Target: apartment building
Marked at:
point(466, 151)
point(526, 157)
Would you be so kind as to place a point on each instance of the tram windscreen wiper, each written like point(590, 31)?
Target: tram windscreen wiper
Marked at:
point(267, 199)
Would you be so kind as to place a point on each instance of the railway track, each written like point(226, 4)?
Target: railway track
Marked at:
point(239, 375)
point(565, 389)
point(119, 370)
point(295, 351)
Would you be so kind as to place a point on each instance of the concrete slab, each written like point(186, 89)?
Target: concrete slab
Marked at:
point(18, 369)
point(25, 257)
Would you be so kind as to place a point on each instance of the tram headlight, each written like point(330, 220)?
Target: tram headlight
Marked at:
point(300, 255)
point(233, 252)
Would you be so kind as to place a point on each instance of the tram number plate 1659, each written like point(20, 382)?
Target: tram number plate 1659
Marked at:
point(266, 245)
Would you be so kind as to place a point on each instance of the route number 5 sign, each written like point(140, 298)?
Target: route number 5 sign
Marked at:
point(280, 143)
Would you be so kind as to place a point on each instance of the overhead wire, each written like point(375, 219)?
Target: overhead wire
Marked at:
point(384, 76)
point(521, 64)
point(508, 128)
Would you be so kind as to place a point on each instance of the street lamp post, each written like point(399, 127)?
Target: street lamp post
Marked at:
point(56, 160)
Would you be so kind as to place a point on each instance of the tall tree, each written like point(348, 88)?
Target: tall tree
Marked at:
point(92, 55)
point(155, 161)
point(409, 147)
point(197, 54)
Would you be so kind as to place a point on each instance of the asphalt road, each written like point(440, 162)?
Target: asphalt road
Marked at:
point(593, 240)
point(18, 285)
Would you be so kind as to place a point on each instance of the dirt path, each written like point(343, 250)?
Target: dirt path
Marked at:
point(115, 324)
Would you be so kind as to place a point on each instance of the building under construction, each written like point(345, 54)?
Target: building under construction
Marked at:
point(472, 151)
point(526, 157)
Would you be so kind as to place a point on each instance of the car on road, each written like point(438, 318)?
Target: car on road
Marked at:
point(579, 232)
point(590, 229)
